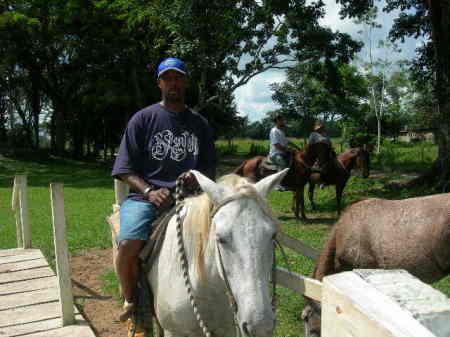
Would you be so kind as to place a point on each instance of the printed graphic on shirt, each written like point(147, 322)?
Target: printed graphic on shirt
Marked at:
point(165, 144)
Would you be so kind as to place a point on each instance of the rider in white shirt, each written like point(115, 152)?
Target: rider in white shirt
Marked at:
point(279, 152)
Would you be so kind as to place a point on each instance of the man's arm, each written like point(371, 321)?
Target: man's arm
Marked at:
point(157, 197)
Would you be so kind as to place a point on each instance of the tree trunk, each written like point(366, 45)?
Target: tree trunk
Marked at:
point(440, 19)
point(35, 108)
point(439, 175)
point(59, 135)
point(378, 134)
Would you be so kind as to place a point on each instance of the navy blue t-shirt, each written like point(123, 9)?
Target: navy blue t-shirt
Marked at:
point(158, 145)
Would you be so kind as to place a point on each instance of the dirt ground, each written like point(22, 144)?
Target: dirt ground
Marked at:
point(100, 310)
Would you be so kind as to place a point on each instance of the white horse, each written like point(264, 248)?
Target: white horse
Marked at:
point(228, 236)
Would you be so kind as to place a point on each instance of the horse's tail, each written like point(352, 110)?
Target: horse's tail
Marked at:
point(240, 169)
point(325, 264)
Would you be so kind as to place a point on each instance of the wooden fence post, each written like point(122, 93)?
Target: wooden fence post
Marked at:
point(382, 303)
point(20, 201)
point(120, 191)
point(62, 256)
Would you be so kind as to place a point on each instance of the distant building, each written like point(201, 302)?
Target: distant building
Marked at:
point(416, 135)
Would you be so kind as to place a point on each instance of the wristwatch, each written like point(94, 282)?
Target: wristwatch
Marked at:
point(148, 189)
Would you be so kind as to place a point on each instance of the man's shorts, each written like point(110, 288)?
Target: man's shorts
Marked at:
point(136, 218)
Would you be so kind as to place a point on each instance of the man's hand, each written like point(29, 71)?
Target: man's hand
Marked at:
point(160, 197)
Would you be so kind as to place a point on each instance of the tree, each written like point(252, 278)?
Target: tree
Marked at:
point(429, 19)
point(326, 91)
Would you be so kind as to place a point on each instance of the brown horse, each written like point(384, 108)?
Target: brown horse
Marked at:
point(338, 171)
point(411, 234)
point(298, 174)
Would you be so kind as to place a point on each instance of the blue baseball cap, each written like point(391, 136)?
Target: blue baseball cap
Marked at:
point(171, 63)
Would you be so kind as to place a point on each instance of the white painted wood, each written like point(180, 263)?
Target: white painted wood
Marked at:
point(37, 327)
point(427, 305)
point(299, 283)
point(297, 246)
point(19, 287)
point(25, 275)
point(353, 307)
point(19, 251)
point(68, 331)
point(62, 256)
point(23, 208)
point(121, 190)
point(15, 207)
point(22, 265)
point(31, 313)
point(29, 298)
point(15, 194)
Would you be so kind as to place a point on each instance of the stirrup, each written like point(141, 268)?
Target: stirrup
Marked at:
point(134, 330)
point(128, 310)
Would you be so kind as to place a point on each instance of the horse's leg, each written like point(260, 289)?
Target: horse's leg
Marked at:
point(295, 203)
point(311, 194)
point(339, 190)
point(302, 201)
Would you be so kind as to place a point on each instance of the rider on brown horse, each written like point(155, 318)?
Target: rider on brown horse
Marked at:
point(280, 146)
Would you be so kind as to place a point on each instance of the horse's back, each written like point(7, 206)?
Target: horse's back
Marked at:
point(406, 234)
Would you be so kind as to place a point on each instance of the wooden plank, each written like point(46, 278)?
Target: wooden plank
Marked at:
point(31, 313)
point(428, 306)
point(299, 283)
point(19, 252)
point(22, 265)
point(15, 207)
point(297, 246)
point(69, 331)
point(25, 275)
point(37, 327)
point(24, 217)
point(121, 190)
point(62, 254)
point(352, 307)
point(29, 298)
point(28, 285)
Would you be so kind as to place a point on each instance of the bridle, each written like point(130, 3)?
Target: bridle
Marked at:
point(185, 270)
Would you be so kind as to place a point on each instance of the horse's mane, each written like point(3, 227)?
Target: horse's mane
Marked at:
point(198, 218)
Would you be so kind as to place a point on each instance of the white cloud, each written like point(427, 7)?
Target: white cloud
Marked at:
point(255, 98)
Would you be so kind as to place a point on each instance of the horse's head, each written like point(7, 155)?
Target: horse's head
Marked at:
point(363, 161)
point(243, 239)
point(311, 316)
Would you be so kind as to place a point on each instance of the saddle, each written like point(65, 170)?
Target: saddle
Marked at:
point(267, 167)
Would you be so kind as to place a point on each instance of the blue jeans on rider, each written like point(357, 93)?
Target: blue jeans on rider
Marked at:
point(281, 160)
point(136, 218)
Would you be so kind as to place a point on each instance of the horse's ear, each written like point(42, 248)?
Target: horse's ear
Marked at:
point(267, 184)
point(215, 191)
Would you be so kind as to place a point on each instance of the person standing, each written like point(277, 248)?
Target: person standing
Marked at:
point(161, 142)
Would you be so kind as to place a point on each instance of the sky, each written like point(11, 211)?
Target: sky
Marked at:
point(254, 99)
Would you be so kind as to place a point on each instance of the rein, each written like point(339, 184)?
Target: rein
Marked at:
point(184, 263)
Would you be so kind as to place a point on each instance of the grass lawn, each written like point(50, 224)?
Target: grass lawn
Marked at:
point(88, 193)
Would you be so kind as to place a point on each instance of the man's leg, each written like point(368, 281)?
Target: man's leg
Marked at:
point(127, 270)
point(135, 226)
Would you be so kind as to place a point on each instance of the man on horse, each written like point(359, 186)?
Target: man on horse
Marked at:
point(161, 142)
point(319, 134)
point(280, 151)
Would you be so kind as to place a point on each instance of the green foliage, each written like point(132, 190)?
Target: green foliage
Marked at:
point(257, 149)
